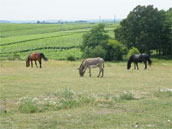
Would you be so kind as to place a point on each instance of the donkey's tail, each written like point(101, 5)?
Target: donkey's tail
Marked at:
point(43, 56)
point(149, 61)
point(103, 65)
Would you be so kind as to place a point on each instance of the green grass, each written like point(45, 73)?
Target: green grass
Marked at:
point(18, 40)
point(9, 30)
point(56, 97)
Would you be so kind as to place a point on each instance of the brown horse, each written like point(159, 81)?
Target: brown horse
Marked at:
point(35, 56)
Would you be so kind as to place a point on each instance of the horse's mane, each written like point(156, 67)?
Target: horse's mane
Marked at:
point(130, 59)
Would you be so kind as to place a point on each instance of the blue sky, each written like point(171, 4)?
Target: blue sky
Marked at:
point(72, 9)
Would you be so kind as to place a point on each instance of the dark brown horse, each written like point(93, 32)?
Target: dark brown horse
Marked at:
point(35, 56)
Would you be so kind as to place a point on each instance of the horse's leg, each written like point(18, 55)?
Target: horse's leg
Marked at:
point(102, 72)
point(36, 64)
point(31, 64)
point(137, 66)
point(90, 71)
point(145, 64)
point(134, 66)
point(40, 64)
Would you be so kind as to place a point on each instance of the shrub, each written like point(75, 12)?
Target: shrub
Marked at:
point(87, 52)
point(28, 107)
point(67, 99)
point(132, 51)
point(67, 94)
point(126, 96)
point(98, 51)
point(68, 103)
point(71, 58)
point(115, 50)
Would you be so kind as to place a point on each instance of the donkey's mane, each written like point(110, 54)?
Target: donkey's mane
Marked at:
point(81, 64)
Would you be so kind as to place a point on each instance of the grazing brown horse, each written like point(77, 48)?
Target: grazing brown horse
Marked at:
point(35, 56)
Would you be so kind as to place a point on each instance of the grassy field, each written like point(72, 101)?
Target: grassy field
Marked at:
point(56, 41)
point(56, 97)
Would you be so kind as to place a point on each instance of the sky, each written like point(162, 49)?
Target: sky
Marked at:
point(73, 9)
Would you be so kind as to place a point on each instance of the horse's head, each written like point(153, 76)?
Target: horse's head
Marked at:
point(129, 64)
point(130, 60)
point(27, 62)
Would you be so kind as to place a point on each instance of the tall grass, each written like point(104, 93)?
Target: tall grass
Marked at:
point(67, 99)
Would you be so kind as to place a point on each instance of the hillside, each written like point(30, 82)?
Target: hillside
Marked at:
point(56, 41)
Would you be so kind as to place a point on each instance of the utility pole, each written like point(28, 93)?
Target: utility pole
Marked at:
point(114, 18)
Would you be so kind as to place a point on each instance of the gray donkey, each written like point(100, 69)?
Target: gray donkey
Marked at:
point(91, 63)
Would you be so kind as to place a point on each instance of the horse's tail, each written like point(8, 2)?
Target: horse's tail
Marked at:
point(43, 56)
point(149, 61)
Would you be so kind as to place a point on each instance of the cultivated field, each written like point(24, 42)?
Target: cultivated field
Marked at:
point(56, 41)
point(56, 97)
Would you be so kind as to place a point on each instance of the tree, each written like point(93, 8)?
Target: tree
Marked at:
point(144, 29)
point(169, 22)
point(115, 50)
point(132, 51)
point(38, 22)
point(98, 51)
point(97, 43)
point(93, 40)
point(96, 36)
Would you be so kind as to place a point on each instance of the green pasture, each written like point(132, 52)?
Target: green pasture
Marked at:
point(9, 30)
point(55, 97)
point(18, 40)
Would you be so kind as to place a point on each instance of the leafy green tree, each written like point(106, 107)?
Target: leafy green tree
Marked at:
point(93, 40)
point(115, 50)
point(132, 51)
point(144, 29)
point(98, 51)
point(96, 43)
point(94, 37)
point(169, 22)
point(169, 15)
